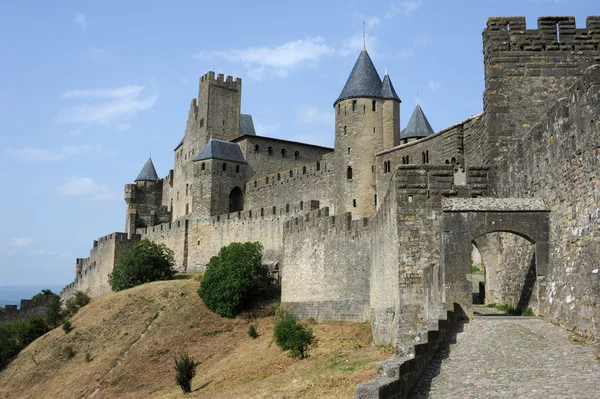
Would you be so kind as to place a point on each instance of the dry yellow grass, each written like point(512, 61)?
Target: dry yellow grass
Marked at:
point(125, 342)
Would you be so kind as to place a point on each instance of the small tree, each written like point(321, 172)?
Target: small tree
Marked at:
point(233, 277)
point(76, 302)
point(289, 335)
point(143, 263)
point(185, 370)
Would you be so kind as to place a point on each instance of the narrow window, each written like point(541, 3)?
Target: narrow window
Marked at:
point(318, 166)
point(278, 176)
point(301, 205)
point(507, 26)
point(254, 183)
point(345, 111)
point(349, 173)
point(372, 168)
point(187, 187)
point(375, 199)
point(224, 167)
point(274, 210)
point(202, 122)
point(203, 166)
point(187, 208)
point(389, 166)
point(453, 160)
point(374, 106)
point(348, 150)
point(304, 170)
point(223, 122)
point(291, 173)
point(267, 179)
point(177, 194)
point(262, 211)
point(287, 208)
point(296, 155)
point(558, 32)
point(354, 203)
point(364, 109)
point(256, 149)
point(353, 105)
point(423, 156)
point(270, 151)
point(345, 130)
point(237, 169)
point(385, 170)
point(283, 153)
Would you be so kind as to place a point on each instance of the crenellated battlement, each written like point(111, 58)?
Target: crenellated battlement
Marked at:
point(320, 221)
point(289, 176)
point(221, 80)
point(553, 34)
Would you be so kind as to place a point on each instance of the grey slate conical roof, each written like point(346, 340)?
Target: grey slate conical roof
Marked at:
point(148, 172)
point(418, 125)
point(387, 89)
point(219, 149)
point(364, 81)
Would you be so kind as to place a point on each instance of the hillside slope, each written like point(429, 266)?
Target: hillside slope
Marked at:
point(124, 345)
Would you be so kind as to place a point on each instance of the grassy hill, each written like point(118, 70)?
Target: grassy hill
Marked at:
point(123, 346)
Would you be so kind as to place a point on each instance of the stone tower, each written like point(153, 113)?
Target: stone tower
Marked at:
point(367, 121)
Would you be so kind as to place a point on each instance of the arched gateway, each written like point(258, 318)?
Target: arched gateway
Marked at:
point(465, 220)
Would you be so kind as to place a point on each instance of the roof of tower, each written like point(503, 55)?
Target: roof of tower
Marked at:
point(148, 172)
point(364, 81)
point(219, 149)
point(246, 125)
point(387, 89)
point(418, 125)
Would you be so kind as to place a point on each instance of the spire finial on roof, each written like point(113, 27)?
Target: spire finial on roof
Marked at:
point(418, 99)
point(364, 37)
point(386, 70)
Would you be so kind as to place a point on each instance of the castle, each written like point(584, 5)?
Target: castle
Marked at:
point(382, 227)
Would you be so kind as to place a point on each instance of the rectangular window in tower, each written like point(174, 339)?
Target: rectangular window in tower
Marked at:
point(354, 203)
point(353, 105)
point(345, 130)
point(374, 106)
point(348, 150)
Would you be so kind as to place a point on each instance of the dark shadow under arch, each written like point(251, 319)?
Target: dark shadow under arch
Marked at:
point(236, 200)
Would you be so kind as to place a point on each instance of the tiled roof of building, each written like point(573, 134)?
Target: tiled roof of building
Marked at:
point(246, 125)
point(148, 172)
point(387, 89)
point(219, 149)
point(364, 81)
point(418, 125)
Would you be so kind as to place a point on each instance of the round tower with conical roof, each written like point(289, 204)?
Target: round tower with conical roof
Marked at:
point(367, 121)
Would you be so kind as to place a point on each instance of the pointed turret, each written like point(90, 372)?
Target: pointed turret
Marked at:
point(418, 126)
point(364, 81)
point(148, 172)
point(387, 89)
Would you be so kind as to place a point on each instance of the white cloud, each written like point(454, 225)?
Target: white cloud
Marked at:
point(353, 45)
point(113, 105)
point(81, 20)
point(34, 154)
point(403, 8)
point(435, 84)
point(262, 129)
point(86, 188)
point(310, 114)
point(280, 60)
point(20, 242)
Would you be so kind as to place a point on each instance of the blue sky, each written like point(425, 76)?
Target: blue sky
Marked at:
point(88, 89)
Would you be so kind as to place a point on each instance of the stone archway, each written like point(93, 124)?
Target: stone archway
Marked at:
point(465, 220)
point(236, 200)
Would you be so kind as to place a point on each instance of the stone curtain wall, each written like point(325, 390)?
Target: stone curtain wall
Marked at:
point(557, 161)
point(92, 272)
point(173, 235)
point(291, 186)
point(327, 263)
point(527, 70)
point(27, 309)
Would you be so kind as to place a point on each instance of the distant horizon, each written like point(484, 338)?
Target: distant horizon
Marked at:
point(12, 294)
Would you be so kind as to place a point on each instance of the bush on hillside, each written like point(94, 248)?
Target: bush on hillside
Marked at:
point(76, 302)
point(233, 278)
point(289, 335)
point(143, 263)
point(185, 370)
point(17, 335)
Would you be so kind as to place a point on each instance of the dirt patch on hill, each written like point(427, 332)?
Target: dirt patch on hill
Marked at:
point(124, 344)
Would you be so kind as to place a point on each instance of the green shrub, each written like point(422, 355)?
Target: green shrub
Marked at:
point(76, 302)
point(66, 325)
point(233, 277)
point(68, 352)
point(475, 269)
point(8, 345)
point(143, 263)
point(185, 370)
point(289, 335)
point(252, 332)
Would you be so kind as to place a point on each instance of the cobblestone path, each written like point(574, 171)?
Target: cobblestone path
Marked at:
point(502, 357)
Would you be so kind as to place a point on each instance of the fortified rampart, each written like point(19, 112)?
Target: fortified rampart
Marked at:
point(558, 161)
point(27, 309)
point(527, 70)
